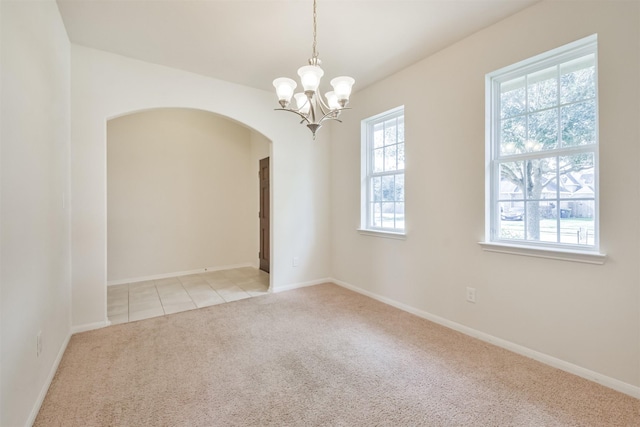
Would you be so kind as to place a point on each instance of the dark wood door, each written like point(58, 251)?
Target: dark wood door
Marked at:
point(264, 255)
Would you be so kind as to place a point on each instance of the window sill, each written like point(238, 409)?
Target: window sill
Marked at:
point(558, 254)
point(383, 234)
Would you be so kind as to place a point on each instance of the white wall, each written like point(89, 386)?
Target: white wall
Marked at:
point(585, 315)
point(106, 85)
point(34, 224)
point(180, 194)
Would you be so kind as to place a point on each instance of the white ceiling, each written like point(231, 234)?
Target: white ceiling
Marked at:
point(253, 42)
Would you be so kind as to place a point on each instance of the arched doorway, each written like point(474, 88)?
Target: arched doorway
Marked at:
point(106, 86)
point(182, 197)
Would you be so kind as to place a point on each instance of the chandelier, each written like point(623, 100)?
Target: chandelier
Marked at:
point(309, 104)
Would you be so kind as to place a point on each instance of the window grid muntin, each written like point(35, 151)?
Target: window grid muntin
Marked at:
point(396, 115)
point(559, 58)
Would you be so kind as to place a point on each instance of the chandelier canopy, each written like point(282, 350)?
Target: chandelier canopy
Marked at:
point(309, 104)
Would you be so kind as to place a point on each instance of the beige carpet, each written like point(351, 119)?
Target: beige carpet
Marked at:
point(318, 356)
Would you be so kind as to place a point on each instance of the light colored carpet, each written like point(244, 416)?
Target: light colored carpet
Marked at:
point(318, 356)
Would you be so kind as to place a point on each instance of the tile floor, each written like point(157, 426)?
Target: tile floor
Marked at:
point(152, 298)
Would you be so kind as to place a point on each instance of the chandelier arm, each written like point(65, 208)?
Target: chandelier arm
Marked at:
point(323, 107)
point(304, 118)
point(331, 115)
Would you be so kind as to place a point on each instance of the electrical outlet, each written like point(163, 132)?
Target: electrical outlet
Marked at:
point(39, 344)
point(295, 261)
point(471, 295)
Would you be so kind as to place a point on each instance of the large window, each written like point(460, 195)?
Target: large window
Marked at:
point(542, 150)
point(383, 172)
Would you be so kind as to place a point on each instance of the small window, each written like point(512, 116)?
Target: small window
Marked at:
point(542, 150)
point(383, 172)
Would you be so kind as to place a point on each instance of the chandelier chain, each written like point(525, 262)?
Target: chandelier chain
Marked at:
point(315, 33)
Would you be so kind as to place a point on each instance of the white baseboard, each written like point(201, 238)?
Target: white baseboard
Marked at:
point(89, 326)
point(606, 381)
point(301, 285)
point(47, 384)
point(178, 273)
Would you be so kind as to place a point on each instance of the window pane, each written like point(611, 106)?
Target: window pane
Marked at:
point(512, 97)
point(512, 181)
point(401, 156)
point(577, 222)
point(378, 135)
point(378, 157)
point(541, 174)
point(578, 79)
point(400, 187)
point(400, 215)
point(548, 210)
point(542, 89)
point(388, 215)
point(388, 188)
point(543, 131)
point(401, 129)
point(511, 220)
point(513, 133)
point(376, 218)
point(390, 158)
point(376, 189)
point(390, 130)
point(539, 228)
point(579, 123)
point(577, 177)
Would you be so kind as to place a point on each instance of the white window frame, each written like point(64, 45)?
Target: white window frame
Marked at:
point(367, 173)
point(493, 242)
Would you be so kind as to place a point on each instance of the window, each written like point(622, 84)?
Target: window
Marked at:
point(542, 150)
point(383, 172)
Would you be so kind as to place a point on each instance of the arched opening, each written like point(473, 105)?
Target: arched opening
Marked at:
point(107, 86)
point(182, 201)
